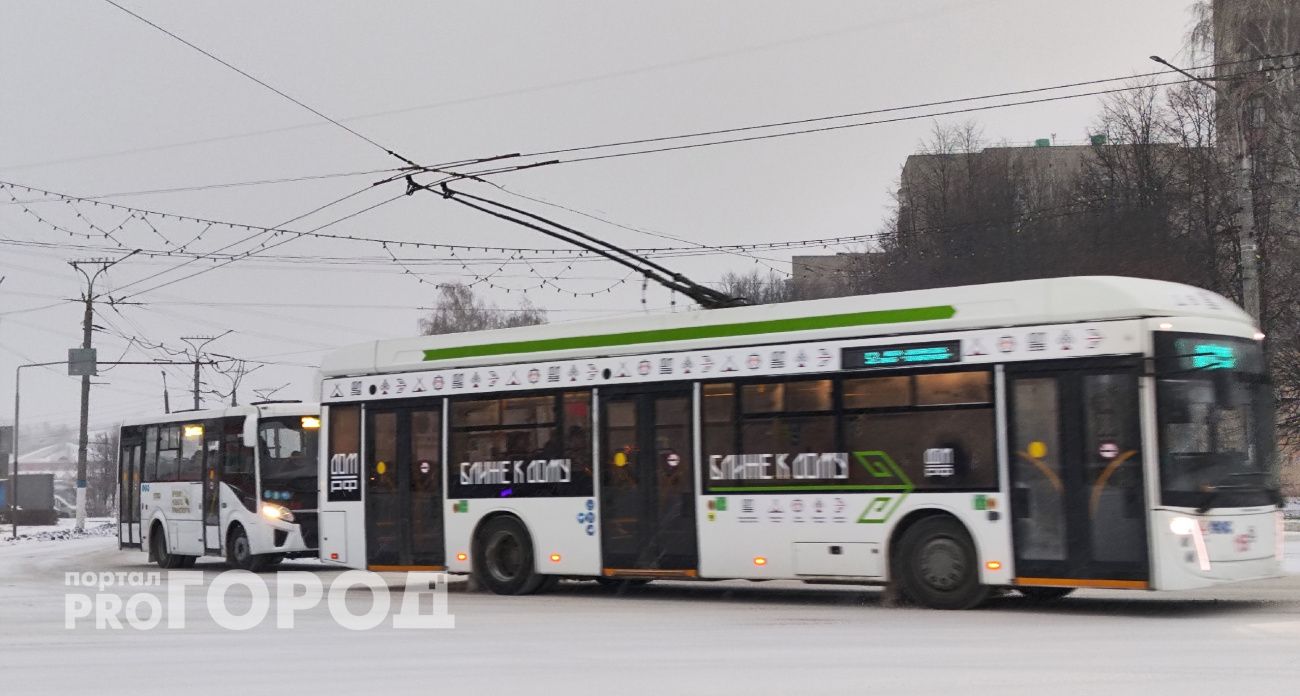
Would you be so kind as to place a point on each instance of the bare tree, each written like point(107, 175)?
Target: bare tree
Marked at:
point(101, 488)
point(458, 309)
point(757, 287)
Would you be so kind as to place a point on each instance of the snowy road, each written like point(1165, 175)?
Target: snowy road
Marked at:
point(672, 638)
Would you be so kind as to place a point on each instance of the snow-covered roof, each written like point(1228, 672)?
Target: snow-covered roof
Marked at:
point(61, 452)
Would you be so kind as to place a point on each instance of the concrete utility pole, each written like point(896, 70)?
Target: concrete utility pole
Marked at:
point(87, 326)
point(167, 399)
point(1245, 194)
point(196, 344)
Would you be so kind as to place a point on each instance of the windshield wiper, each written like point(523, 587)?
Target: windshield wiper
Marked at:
point(1208, 490)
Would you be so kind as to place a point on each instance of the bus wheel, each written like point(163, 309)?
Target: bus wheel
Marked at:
point(937, 566)
point(504, 558)
point(164, 558)
point(239, 553)
point(1044, 594)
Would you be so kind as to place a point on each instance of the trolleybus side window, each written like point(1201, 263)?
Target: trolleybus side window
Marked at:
point(521, 446)
point(939, 430)
point(777, 435)
point(790, 418)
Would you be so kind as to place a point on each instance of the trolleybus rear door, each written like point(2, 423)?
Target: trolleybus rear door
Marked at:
point(647, 488)
point(1076, 474)
point(404, 497)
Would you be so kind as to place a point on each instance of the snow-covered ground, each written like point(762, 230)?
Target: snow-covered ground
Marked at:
point(65, 529)
point(674, 638)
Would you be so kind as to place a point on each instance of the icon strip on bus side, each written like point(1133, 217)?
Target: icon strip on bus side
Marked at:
point(984, 346)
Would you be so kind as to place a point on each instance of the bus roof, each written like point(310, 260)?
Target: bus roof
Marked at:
point(267, 410)
point(1017, 303)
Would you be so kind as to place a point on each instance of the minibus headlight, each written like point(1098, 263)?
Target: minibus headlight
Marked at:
point(271, 511)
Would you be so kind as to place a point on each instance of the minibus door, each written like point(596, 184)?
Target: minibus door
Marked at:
point(212, 487)
point(129, 493)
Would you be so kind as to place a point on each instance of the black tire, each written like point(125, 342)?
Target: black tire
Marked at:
point(161, 556)
point(503, 558)
point(239, 553)
point(936, 565)
point(1044, 594)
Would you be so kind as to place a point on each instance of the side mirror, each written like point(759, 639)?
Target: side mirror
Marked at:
point(250, 431)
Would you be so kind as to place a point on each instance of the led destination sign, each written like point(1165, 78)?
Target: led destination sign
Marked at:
point(903, 355)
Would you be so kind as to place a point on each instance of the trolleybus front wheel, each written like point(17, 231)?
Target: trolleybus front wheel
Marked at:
point(937, 565)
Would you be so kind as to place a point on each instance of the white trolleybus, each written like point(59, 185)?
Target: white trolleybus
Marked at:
point(238, 482)
point(1041, 435)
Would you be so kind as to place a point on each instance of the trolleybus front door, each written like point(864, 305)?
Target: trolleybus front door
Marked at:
point(647, 489)
point(129, 497)
point(404, 498)
point(1076, 474)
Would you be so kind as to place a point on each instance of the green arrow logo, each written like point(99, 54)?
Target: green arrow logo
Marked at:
point(892, 484)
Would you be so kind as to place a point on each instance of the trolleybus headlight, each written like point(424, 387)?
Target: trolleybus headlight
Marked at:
point(1182, 526)
point(272, 511)
point(1186, 526)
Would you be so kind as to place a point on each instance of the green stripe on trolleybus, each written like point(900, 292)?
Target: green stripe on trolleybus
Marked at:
point(686, 333)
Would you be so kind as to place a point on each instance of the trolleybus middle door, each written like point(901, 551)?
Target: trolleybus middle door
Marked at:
point(404, 497)
point(647, 487)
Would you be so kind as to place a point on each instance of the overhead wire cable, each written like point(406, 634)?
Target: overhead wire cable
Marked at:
point(261, 82)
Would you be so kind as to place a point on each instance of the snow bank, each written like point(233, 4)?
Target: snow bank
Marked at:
point(102, 529)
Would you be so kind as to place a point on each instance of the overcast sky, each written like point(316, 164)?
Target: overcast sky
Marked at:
point(93, 102)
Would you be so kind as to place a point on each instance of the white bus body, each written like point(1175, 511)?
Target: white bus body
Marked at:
point(1045, 434)
point(236, 482)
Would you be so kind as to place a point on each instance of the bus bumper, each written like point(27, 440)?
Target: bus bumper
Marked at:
point(1192, 550)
